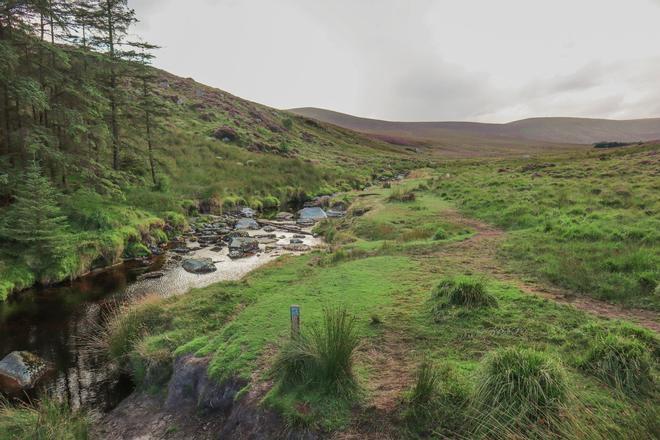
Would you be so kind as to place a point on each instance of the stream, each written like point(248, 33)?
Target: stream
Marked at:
point(55, 322)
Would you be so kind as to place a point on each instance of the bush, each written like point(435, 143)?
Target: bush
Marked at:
point(271, 202)
point(136, 250)
point(620, 362)
point(48, 419)
point(516, 389)
point(323, 356)
point(462, 292)
point(440, 234)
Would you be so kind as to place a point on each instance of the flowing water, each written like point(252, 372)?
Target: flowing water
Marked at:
point(57, 322)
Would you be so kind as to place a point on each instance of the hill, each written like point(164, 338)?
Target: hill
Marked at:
point(171, 147)
point(486, 139)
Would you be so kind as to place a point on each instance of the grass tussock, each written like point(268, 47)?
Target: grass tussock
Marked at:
point(436, 402)
point(400, 194)
point(465, 292)
point(47, 419)
point(620, 362)
point(126, 325)
point(516, 389)
point(322, 356)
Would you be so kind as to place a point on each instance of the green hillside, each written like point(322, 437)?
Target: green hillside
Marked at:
point(122, 161)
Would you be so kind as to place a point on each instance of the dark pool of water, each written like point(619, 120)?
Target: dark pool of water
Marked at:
point(57, 322)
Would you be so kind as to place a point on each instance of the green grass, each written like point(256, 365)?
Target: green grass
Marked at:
point(476, 380)
point(464, 292)
point(322, 356)
point(622, 363)
point(517, 388)
point(589, 223)
point(47, 419)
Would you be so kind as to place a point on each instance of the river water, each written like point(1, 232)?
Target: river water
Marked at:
point(57, 322)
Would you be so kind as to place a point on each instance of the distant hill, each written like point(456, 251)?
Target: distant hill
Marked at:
point(474, 138)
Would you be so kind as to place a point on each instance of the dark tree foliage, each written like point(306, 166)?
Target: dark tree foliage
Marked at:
point(65, 86)
point(34, 222)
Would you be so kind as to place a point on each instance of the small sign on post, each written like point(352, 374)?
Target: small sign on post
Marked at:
point(295, 320)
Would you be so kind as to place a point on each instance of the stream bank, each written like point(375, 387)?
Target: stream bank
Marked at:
point(55, 322)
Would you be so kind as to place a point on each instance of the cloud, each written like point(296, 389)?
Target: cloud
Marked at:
point(419, 60)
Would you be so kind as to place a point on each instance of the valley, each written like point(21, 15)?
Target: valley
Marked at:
point(177, 262)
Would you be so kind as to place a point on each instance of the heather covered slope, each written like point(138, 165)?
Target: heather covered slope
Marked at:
point(484, 139)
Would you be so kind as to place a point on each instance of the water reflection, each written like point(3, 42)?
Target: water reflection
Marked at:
point(52, 322)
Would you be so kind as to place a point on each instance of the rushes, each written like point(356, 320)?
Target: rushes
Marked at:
point(622, 363)
point(322, 357)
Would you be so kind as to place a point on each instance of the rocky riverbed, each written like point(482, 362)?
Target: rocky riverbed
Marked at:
point(221, 252)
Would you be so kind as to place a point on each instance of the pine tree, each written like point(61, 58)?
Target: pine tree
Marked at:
point(34, 222)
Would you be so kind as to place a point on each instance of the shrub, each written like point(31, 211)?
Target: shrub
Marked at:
point(136, 249)
point(271, 202)
point(620, 362)
point(322, 357)
point(462, 292)
point(440, 234)
point(516, 389)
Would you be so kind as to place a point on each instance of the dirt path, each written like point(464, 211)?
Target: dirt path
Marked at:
point(479, 254)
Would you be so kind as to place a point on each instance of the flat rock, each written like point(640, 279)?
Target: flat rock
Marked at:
point(247, 223)
point(296, 247)
point(22, 370)
point(199, 265)
point(284, 216)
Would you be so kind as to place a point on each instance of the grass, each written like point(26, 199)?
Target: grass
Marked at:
point(589, 223)
point(622, 363)
point(517, 388)
point(464, 292)
point(47, 419)
point(322, 356)
point(244, 327)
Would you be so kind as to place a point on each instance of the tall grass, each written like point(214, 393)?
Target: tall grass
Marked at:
point(322, 356)
point(464, 291)
point(47, 419)
point(516, 390)
point(622, 363)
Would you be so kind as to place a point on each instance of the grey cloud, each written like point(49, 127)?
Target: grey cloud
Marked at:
point(416, 60)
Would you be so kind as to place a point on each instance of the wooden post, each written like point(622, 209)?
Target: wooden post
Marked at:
point(295, 320)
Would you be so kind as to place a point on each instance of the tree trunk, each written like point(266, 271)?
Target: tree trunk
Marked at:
point(147, 119)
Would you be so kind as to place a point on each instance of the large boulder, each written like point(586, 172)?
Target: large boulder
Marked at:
point(247, 212)
point(310, 215)
point(22, 370)
point(190, 385)
point(199, 265)
point(240, 247)
point(247, 223)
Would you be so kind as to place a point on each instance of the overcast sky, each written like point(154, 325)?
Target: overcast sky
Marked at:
point(482, 60)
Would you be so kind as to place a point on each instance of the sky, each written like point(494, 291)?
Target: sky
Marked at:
point(418, 60)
